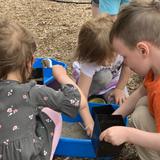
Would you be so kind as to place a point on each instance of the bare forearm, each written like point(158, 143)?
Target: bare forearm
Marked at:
point(86, 116)
point(144, 139)
point(124, 77)
point(129, 105)
point(84, 84)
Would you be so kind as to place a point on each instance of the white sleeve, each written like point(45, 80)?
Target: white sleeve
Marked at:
point(88, 69)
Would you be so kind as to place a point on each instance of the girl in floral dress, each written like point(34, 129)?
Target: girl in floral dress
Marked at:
point(25, 131)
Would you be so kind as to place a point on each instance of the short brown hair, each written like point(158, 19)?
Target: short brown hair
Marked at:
point(17, 46)
point(138, 22)
point(93, 41)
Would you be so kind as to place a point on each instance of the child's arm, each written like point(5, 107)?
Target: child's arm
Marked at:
point(118, 92)
point(129, 105)
point(87, 119)
point(118, 135)
point(61, 76)
point(84, 83)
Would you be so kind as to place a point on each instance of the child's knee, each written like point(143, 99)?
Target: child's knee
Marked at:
point(137, 117)
point(102, 77)
point(142, 102)
point(142, 119)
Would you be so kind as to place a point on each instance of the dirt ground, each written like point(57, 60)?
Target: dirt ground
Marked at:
point(56, 27)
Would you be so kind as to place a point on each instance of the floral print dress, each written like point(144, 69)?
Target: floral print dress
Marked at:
point(26, 132)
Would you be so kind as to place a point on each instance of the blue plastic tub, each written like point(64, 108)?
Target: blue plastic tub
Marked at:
point(48, 78)
point(80, 148)
point(72, 147)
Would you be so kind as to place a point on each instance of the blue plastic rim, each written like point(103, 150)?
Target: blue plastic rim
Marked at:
point(47, 72)
point(80, 148)
point(72, 147)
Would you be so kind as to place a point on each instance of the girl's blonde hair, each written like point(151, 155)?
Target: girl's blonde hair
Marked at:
point(93, 41)
point(139, 21)
point(17, 46)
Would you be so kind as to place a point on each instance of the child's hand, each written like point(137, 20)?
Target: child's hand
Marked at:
point(119, 96)
point(115, 135)
point(89, 129)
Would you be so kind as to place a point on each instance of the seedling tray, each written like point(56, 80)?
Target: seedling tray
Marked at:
point(83, 148)
point(104, 119)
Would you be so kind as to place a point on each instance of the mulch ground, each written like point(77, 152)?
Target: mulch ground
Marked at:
point(56, 27)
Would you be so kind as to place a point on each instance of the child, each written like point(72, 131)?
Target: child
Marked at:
point(21, 102)
point(94, 72)
point(110, 7)
point(136, 36)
